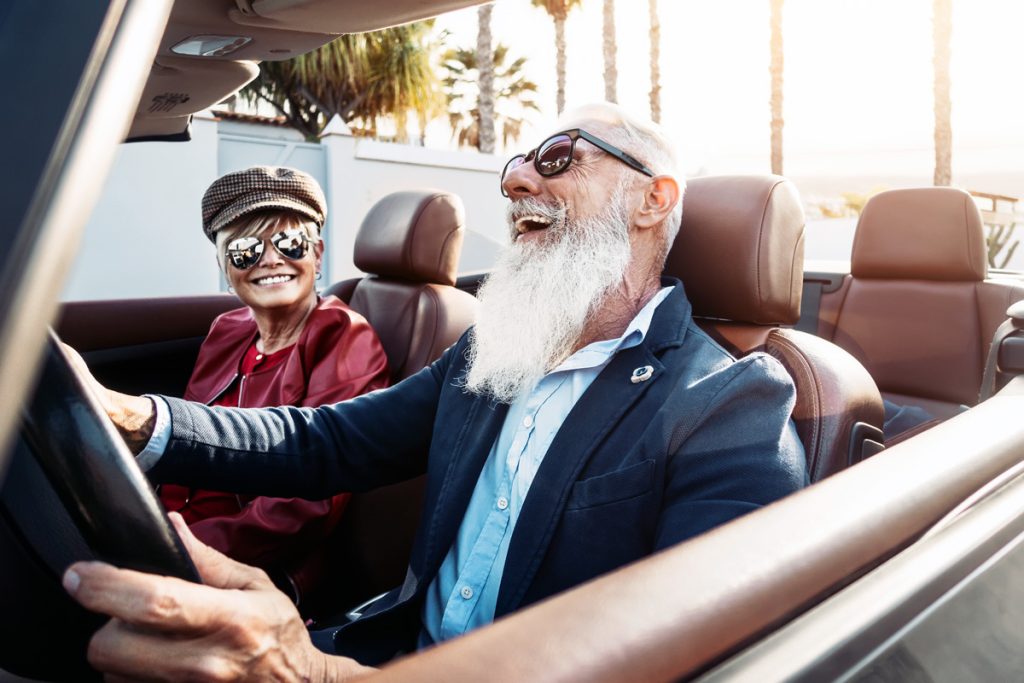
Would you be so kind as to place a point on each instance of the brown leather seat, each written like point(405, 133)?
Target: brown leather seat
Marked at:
point(739, 254)
point(410, 242)
point(918, 309)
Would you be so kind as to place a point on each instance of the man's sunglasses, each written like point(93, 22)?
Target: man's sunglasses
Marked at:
point(554, 155)
point(245, 252)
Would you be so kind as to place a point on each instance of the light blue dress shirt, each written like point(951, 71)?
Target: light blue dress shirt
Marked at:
point(464, 593)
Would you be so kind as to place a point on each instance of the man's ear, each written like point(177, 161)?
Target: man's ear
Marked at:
point(660, 197)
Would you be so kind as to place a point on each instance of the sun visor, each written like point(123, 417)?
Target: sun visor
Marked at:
point(335, 16)
point(179, 86)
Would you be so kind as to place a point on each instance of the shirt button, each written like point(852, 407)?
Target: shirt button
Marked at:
point(466, 592)
point(502, 503)
point(528, 421)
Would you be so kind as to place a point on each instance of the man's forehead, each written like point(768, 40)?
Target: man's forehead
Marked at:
point(589, 124)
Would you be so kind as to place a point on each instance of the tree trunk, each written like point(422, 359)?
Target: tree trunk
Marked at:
point(776, 70)
point(652, 7)
point(560, 62)
point(942, 29)
point(485, 66)
point(611, 75)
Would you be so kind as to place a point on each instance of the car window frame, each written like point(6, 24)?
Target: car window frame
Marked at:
point(68, 128)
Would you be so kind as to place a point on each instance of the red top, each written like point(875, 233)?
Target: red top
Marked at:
point(337, 356)
point(198, 505)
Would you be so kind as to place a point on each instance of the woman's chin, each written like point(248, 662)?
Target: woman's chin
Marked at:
point(275, 296)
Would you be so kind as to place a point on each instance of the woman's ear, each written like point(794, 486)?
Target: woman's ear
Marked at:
point(660, 197)
point(318, 252)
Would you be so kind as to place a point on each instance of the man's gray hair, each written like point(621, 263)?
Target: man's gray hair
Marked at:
point(643, 139)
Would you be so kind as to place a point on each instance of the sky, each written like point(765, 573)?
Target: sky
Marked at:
point(857, 89)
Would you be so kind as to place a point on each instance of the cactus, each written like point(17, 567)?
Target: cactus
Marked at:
point(999, 239)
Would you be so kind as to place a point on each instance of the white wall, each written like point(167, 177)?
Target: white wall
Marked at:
point(145, 237)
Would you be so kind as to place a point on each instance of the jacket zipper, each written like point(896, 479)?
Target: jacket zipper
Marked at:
point(224, 388)
point(241, 387)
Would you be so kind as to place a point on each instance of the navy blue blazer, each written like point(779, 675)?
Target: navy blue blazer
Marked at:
point(636, 467)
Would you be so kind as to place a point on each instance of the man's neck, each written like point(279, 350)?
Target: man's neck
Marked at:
point(618, 310)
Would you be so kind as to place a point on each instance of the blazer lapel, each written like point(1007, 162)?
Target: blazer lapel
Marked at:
point(596, 413)
point(475, 436)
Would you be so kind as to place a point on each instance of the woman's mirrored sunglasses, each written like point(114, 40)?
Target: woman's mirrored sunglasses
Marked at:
point(245, 252)
point(554, 155)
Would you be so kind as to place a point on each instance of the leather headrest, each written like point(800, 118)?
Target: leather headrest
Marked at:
point(926, 233)
point(414, 235)
point(740, 249)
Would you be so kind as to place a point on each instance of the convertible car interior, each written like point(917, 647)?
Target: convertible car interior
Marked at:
point(919, 308)
point(896, 530)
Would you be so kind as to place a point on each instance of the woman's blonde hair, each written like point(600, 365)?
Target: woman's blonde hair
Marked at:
point(256, 223)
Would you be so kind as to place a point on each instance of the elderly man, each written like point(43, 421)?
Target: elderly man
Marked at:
point(583, 423)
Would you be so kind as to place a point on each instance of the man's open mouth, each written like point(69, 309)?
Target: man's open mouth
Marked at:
point(527, 224)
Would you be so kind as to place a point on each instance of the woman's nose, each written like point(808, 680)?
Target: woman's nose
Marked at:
point(271, 256)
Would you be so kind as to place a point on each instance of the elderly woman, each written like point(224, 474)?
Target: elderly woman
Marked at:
point(288, 346)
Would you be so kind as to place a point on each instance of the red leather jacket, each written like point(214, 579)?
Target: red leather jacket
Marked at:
point(337, 356)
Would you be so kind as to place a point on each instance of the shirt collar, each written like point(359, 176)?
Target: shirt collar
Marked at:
point(600, 352)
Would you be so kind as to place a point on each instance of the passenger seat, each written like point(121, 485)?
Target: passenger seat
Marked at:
point(918, 309)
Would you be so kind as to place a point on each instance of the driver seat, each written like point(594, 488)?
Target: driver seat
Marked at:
point(739, 254)
point(409, 243)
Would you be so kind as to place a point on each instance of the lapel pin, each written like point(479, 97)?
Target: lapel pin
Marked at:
point(641, 374)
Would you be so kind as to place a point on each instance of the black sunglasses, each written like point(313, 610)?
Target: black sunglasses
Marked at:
point(554, 155)
point(245, 252)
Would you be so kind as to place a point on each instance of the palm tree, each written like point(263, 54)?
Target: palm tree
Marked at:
point(776, 78)
point(611, 76)
point(513, 95)
point(485, 63)
point(559, 11)
point(361, 77)
point(942, 30)
point(652, 11)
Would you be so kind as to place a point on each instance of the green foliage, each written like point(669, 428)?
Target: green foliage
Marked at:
point(558, 9)
point(361, 77)
point(998, 240)
point(513, 95)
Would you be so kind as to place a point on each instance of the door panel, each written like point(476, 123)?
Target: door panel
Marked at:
point(142, 345)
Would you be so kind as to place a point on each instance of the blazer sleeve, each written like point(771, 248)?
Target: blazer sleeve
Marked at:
point(741, 453)
point(375, 439)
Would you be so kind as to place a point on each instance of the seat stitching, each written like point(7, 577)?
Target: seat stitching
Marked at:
point(817, 432)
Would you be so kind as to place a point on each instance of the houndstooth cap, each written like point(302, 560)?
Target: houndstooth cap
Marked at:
point(260, 188)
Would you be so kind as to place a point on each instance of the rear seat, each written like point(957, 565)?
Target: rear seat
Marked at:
point(918, 309)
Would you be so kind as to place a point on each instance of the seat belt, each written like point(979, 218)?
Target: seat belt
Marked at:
point(810, 302)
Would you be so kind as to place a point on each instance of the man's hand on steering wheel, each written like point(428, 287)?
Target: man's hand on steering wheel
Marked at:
point(134, 416)
point(237, 626)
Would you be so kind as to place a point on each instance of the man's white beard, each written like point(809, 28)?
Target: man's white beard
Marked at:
point(535, 304)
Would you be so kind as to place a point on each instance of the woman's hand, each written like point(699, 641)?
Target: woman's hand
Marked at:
point(134, 416)
point(237, 626)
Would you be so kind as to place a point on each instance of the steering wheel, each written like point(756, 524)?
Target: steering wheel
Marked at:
point(72, 492)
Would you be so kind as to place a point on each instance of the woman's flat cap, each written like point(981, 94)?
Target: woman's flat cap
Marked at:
point(261, 188)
